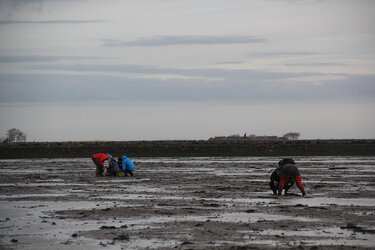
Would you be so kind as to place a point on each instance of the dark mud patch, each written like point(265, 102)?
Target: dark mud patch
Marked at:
point(359, 229)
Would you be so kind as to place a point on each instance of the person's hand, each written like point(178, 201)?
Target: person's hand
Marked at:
point(275, 183)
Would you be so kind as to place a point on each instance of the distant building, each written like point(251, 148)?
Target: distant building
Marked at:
point(218, 137)
point(250, 137)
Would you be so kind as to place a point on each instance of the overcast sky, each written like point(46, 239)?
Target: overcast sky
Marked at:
point(187, 69)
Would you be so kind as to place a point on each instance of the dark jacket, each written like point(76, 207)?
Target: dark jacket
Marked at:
point(275, 176)
point(113, 166)
point(289, 169)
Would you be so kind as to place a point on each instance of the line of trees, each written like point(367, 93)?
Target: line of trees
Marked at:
point(287, 136)
point(292, 135)
point(14, 135)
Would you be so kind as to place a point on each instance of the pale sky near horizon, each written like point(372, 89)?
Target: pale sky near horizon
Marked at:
point(187, 69)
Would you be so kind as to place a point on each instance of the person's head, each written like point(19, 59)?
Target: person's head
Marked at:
point(286, 161)
point(119, 159)
point(109, 156)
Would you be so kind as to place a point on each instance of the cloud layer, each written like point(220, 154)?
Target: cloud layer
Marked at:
point(48, 22)
point(84, 82)
point(185, 40)
point(34, 58)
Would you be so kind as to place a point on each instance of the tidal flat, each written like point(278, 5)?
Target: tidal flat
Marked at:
point(186, 203)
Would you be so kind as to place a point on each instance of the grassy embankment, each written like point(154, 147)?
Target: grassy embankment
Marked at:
point(189, 148)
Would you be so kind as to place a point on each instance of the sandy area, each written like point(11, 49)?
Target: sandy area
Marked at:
point(186, 203)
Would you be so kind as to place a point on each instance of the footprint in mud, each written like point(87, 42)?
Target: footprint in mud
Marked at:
point(124, 237)
point(336, 168)
point(251, 211)
point(319, 186)
point(187, 243)
point(107, 227)
point(358, 229)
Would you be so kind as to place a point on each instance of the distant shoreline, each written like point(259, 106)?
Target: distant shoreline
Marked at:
point(190, 148)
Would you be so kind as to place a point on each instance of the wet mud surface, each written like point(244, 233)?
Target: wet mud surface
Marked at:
point(187, 203)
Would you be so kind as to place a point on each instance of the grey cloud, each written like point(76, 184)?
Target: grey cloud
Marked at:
point(283, 53)
point(9, 8)
point(233, 86)
point(108, 68)
point(297, 1)
point(227, 75)
point(12, 6)
point(48, 22)
point(230, 62)
point(237, 75)
point(18, 59)
point(317, 64)
point(238, 86)
point(184, 40)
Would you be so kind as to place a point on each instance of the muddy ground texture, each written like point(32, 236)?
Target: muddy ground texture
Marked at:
point(187, 203)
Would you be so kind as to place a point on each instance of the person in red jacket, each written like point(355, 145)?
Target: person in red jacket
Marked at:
point(99, 159)
point(289, 170)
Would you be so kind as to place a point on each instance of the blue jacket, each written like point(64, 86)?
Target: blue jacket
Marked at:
point(127, 164)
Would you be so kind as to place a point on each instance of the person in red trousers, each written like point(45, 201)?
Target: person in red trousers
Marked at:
point(288, 169)
point(99, 159)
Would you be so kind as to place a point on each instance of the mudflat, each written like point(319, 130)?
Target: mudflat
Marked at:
point(187, 203)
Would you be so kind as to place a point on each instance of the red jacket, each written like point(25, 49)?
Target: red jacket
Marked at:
point(101, 158)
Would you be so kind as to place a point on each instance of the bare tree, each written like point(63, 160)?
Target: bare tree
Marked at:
point(16, 135)
point(292, 135)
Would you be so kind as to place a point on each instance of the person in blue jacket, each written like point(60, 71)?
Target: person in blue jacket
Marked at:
point(126, 165)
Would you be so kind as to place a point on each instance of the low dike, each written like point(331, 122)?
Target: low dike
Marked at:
point(191, 148)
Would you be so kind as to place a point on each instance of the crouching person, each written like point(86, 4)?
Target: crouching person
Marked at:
point(99, 159)
point(113, 167)
point(126, 165)
point(275, 180)
point(289, 170)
